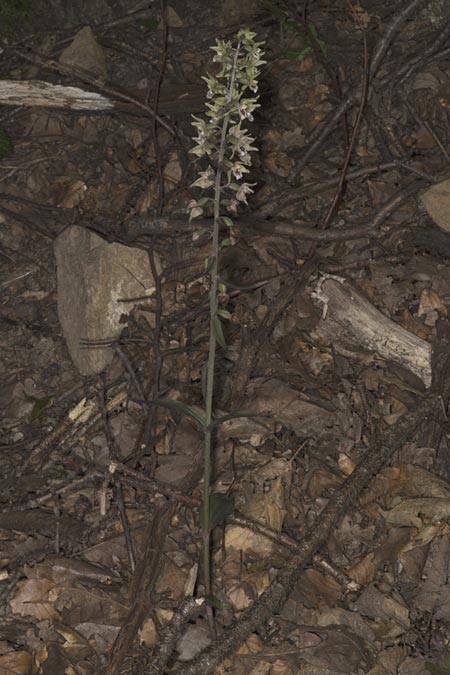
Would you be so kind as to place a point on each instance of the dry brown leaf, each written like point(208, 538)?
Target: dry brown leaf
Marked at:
point(364, 570)
point(392, 546)
point(32, 599)
point(280, 667)
point(261, 668)
point(380, 191)
point(388, 482)
point(241, 596)
point(68, 193)
point(17, 663)
point(172, 171)
point(318, 589)
point(409, 323)
point(172, 580)
point(376, 604)
point(321, 480)
point(346, 464)
point(425, 536)
point(388, 662)
point(431, 307)
point(279, 163)
point(416, 512)
point(252, 645)
point(88, 605)
point(266, 506)
point(147, 634)
point(271, 139)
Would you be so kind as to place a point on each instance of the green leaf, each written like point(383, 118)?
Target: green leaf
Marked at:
point(297, 54)
point(321, 43)
point(220, 506)
point(151, 23)
point(213, 601)
point(227, 221)
point(182, 408)
point(204, 200)
point(209, 262)
point(224, 313)
point(195, 212)
point(38, 412)
point(217, 330)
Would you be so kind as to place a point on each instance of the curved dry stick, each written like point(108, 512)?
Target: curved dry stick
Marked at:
point(341, 185)
point(370, 229)
point(393, 28)
point(410, 68)
point(143, 584)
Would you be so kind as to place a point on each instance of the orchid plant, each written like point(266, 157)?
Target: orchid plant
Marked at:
point(223, 140)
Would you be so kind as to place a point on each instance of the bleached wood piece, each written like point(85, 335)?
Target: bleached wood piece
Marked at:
point(351, 321)
point(44, 94)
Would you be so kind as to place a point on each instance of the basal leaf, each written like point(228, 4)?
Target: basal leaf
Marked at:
point(224, 313)
point(220, 506)
point(182, 408)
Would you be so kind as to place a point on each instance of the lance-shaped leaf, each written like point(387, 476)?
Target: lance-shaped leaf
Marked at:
point(182, 408)
point(217, 329)
point(220, 506)
point(213, 601)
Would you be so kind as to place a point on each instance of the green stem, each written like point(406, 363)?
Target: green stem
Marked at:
point(213, 303)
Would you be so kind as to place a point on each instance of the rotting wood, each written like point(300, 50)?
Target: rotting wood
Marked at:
point(352, 320)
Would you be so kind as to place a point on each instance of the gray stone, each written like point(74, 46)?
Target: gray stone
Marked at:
point(436, 200)
point(93, 276)
point(85, 53)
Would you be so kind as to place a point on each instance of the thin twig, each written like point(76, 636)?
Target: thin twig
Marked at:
point(118, 493)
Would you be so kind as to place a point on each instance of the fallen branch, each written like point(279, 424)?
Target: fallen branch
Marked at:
point(352, 322)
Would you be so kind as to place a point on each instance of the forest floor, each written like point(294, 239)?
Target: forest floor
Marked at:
point(336, 557)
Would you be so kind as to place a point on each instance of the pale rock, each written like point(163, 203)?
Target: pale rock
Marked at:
point(236, 11)
point(84, 53)
point(436, 201)
point(172, 18)
point(92, 277)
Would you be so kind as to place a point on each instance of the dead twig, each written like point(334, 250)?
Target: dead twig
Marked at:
point(143, 584)
point(118, 493)
point(342, 181)
point(59, 68)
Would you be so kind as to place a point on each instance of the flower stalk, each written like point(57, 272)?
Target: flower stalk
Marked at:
point(223, 140)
